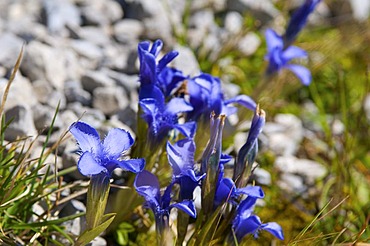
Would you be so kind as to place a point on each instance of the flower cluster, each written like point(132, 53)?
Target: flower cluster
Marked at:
point(172, 106)
point(166, 95)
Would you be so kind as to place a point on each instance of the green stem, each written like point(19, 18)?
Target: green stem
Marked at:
point(97, 196)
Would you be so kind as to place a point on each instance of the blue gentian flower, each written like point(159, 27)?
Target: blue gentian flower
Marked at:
point(298, 21)
point(181, 159)
point(150, 69)
point(205, 95)
point(169, 80)
point(227, 191)
point(162, 118)
point(245, 222)
point(147, 185)
point(279, 58)
point(103, 156)
point(248, 151)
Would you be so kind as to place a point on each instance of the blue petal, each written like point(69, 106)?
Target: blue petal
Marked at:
point(293, 52)
point(177, 105)
point(301, 72)
point(228, 110)
point(243, 100)
point(246, 207)
point(191, 174)
point(86, 136)
point(225, 158)
point(174, 159)
point(147, 67)
point(88, 166)
point(273, 40)
point(132, 165)
point(274, 228)
point(186, 206)
point(187, 129)
point(156, 47)
point(247, 226)
point(181, 155)
point(117, 141)
point(144, 45)
point(147, 185)
point(225, 191)
point(253, 191)
point(166, 59)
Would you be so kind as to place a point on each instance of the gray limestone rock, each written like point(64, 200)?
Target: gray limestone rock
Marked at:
point(285, 134)
point(128, 31)
point(264, 10)
point(249, 44)
point(44, 62)
point(101, 13)
point(42, 90)
point(109, 99)
point(97, 35)
point(308, 169)
point(75, 93)
point(186, 61)
point(43, 116)
point(94, 79)
point(21, 91)
point(22, 122)
point(10, 46)
point(233, 22)
point(59, 15)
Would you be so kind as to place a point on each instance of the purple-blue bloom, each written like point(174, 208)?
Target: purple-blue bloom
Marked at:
point(206, 96)
point(103, 156)
point(155, 76)
point(245, 222)
point(298, 21)
point(227, 191)
point(147, 185)
point(279, 57)
point(181, 159)
point(162, 118)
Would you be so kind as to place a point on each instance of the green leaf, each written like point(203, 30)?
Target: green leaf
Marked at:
point(206, 234)
point(89, 235)
point(46, 223)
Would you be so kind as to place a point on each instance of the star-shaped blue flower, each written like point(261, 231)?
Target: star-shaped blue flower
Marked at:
point(181, 158)
point(155, 76)
point(162, 118)
point(245, 222)
point(280, 57)
point(147, 185)
point(103, 156)
point(205, 95)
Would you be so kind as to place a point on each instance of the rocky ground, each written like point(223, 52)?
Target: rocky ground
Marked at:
point(82, 55)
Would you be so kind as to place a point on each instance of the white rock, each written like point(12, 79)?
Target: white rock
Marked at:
point(40, 62)
point(361, 9)
point(308, 169)
point(249, 44)
point(233, 22)
point(22, 124)
point(186, 61)
point(109, 99)
point(291, 183)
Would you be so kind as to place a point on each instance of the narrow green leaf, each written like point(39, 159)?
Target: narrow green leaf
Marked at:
point(46, 223)
point(89, 235)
